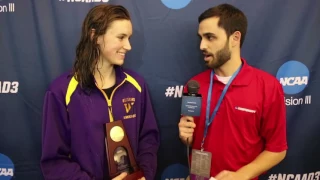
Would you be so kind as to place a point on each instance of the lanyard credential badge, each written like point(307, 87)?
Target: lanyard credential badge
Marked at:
point(200, 164)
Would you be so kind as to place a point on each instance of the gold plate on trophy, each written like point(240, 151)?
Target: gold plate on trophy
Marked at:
point(116, 133)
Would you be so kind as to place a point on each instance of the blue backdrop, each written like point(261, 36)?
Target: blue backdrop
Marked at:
point(37, 43)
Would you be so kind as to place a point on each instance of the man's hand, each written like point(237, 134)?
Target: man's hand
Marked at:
point(143, 178)
point(121, 176)
point(229, 175)
point(186, 129)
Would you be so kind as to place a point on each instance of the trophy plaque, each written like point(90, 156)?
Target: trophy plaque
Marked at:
point(120, 157)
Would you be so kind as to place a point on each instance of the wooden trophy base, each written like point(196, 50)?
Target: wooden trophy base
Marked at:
point(120, 156)
point(134, 176)
point(137, 174)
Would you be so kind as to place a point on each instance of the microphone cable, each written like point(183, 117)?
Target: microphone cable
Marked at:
point(188, 154)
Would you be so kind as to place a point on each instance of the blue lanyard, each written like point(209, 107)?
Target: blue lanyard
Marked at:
point(209, 120)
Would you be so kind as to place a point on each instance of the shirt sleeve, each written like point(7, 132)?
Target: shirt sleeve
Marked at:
point(274, 119)
point(149, 138)
point(55, 161)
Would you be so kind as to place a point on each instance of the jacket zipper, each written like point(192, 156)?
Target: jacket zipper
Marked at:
point(110, 106)
point(109, 100)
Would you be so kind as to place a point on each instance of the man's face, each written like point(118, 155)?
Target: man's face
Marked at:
point(214, 43)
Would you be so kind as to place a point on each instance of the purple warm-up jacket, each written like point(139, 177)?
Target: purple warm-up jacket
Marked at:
point(73, 135)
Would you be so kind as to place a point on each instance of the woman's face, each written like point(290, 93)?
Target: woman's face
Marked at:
point(114, 44)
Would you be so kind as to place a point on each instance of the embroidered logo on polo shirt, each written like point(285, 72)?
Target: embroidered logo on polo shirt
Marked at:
point(245, 109)
point(128, 104)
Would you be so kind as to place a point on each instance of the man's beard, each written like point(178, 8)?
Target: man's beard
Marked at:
point(220, 57)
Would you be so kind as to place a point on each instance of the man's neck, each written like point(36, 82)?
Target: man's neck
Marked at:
point(228, 68)
point(104, 74)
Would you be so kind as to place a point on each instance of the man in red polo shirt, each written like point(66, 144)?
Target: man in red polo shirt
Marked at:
point(244, 130)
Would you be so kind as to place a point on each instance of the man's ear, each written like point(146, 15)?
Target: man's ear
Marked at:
point(236, 38)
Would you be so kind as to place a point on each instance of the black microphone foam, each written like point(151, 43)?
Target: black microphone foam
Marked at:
point(193, 87)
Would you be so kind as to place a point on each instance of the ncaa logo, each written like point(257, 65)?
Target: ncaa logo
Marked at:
point(176, 4)
point(6, 168)
point(293, 76)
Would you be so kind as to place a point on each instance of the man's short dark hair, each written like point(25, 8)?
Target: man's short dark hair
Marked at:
point(231, 19)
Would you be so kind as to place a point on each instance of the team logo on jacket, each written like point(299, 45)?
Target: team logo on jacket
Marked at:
point(128, 104)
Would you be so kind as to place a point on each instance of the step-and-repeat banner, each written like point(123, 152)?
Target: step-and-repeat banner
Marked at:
point(38, 40)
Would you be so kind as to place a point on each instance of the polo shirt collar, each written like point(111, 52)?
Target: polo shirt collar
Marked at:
point(244, 76)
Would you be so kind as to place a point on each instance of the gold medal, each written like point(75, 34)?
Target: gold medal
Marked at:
point(116, 133)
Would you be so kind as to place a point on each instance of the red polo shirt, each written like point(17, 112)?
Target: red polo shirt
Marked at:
point(251, 118)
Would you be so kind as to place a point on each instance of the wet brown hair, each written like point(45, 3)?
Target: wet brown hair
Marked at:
point(99, 18)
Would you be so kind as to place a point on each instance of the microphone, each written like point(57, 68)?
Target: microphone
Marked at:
point(192, 100)
point(191, 106)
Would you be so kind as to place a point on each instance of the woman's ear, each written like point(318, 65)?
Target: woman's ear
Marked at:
point(99, 38)
point(93, 31)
